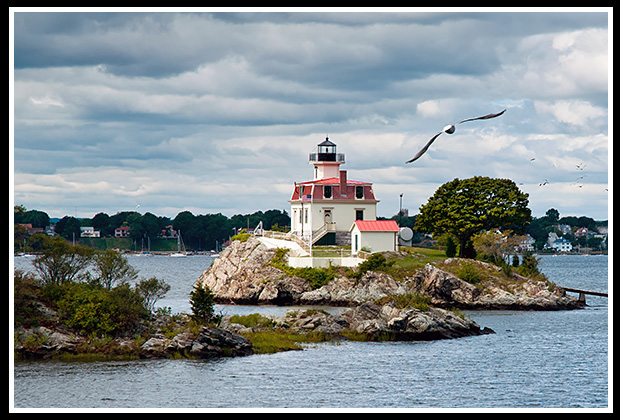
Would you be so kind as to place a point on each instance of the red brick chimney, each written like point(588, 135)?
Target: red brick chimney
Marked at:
point(343, 182)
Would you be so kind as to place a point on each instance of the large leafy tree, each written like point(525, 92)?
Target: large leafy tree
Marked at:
point(465, 207)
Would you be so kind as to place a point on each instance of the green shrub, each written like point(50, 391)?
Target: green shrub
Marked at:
point(94, 310)
point(201, 302)
point(376, 262)
point(467, 272)
point(253, 321)
point(408, 300)
point(412, 300)
point(316, 277)
point(242, 236)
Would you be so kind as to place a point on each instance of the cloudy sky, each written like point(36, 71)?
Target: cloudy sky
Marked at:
point(216, 112)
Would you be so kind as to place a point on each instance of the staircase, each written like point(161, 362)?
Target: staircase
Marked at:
point(322, 231)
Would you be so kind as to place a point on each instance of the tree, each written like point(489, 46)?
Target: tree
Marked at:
point(465, 207)
point(553, 215)
point(496, 247)
point(113, 268)
point(60, 262)
point(151, 291)
point(68, 227)
point(201, 302)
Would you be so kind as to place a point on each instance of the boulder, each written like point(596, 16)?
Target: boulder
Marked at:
point(242, 275)
point(216, 342)
point(521, 293)
point(343, 291)
point(155, 346)
point(409, 324)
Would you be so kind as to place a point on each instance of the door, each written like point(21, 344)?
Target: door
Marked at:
point(327, 216)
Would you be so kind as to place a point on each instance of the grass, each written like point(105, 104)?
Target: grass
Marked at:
point(316, 277)
point(400, 266)
point(408, 300)
point(274, 341)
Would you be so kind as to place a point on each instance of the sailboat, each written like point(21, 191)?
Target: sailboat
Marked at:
point(181, 252)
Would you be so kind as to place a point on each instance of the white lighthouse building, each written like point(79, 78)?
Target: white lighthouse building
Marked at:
point(324, 210)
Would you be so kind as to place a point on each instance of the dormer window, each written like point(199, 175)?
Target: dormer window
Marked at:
point(359, 192)
point(327, 191)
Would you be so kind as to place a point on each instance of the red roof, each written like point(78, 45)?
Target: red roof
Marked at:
point(377, 225)
point(333, 181)
point(313, 191)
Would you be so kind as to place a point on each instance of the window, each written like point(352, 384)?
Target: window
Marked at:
point(359, 191)
point(327, 191)
point(306, 216)
point(359, 214)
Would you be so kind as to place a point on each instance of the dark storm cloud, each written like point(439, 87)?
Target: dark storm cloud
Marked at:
point(192, 106)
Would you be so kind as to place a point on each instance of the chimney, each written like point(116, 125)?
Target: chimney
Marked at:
point(343, 183)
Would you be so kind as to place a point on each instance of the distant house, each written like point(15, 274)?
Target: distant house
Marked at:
point(374, 235)
point(122, 232)
point(551, 238)
point(565, 229)
point(527, 244)
point(582, 231)
point(562, 245)
point(31, 230)
point(602, 230)
point(89, 232)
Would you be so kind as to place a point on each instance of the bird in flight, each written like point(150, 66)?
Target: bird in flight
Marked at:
point(449, 129)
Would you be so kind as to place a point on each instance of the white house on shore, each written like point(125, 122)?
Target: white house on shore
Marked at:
point(562, 245)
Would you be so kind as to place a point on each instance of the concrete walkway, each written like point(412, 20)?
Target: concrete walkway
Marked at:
point(296, 250)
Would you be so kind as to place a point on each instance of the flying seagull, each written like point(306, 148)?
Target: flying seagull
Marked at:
point(449, 129)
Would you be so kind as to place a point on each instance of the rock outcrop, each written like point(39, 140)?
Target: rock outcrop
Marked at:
point(448, 291)
point(242, 275)
point(372, 321)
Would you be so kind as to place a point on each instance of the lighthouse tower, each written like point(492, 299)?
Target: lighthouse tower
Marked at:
point(324, 209)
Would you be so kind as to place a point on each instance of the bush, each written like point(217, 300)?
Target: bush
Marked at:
point(242, 236)
point(450, 247)
point(151, 290)
point(201, 301)
point(529, 267)
point(94, 310)
point(253, 321)
point(376, 262)
point(467, 272)
point(316, 277)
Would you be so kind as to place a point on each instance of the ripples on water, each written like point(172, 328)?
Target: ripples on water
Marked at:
point(536, 359)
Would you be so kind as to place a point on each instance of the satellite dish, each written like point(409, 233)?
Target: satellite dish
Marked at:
point(406, 234)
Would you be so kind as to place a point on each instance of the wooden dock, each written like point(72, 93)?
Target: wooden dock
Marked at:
point(583, 293)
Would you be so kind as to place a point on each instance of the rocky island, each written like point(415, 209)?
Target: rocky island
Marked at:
point(405, 296)
point(245, 274)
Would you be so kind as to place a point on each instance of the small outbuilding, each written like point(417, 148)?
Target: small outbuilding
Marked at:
point(374, 235)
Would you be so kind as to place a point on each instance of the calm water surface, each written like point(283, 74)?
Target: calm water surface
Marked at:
point(535, 360)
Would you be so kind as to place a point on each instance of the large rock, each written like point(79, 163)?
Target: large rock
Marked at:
point(385, 322)
point(217, 342)
point(448, 291)
point(409, 323)
point(343, 291)
point(242, 275)
point(211, 342)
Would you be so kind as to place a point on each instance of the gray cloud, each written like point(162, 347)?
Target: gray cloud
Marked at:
point(217, 111)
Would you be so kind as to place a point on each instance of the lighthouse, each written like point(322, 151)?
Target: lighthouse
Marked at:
point(324, 209)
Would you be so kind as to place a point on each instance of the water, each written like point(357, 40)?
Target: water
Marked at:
point(535, 360)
